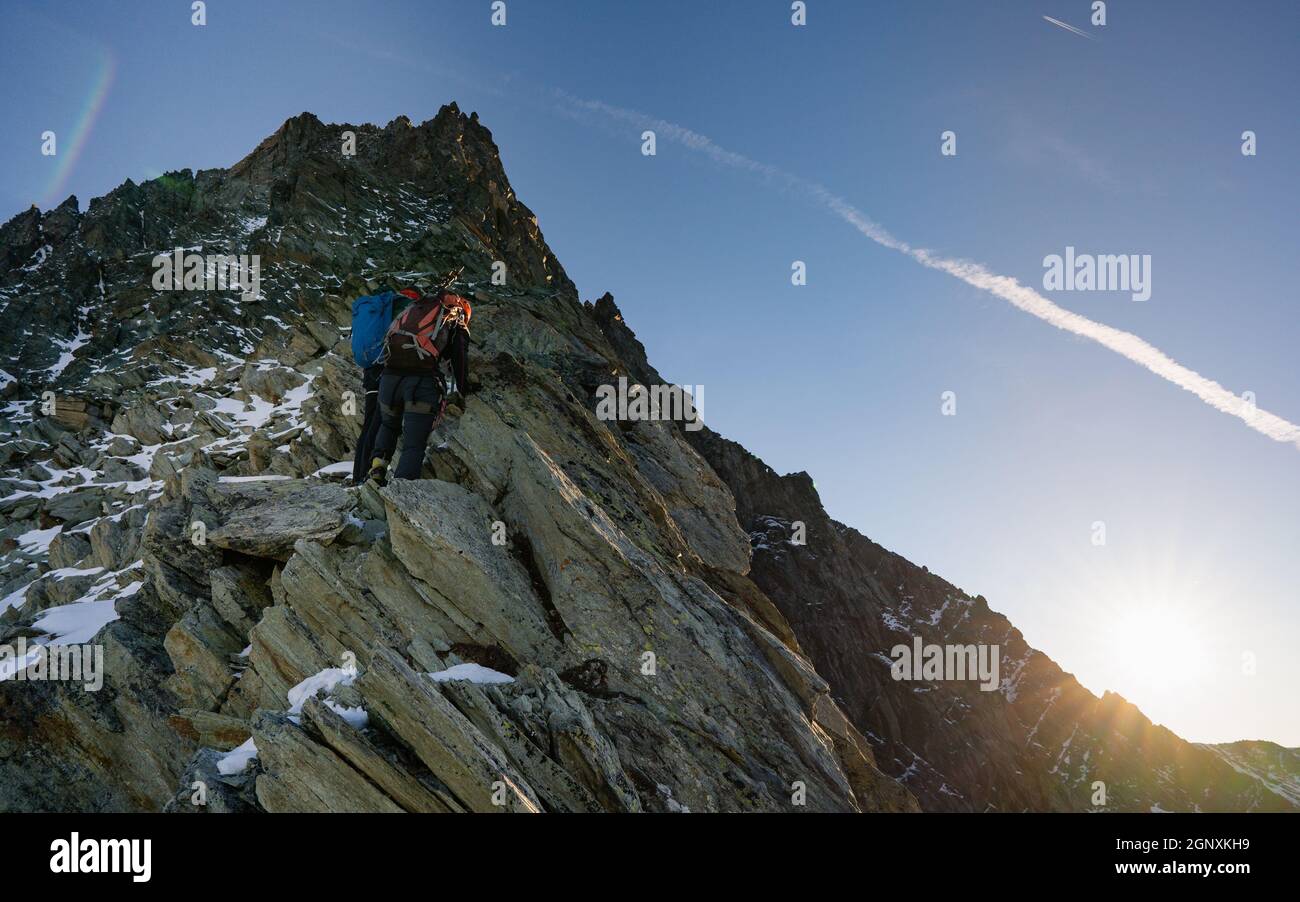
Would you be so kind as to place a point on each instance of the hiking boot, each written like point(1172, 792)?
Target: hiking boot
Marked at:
point(378, 472)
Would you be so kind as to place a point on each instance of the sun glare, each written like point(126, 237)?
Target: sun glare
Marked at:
point(1159, 648)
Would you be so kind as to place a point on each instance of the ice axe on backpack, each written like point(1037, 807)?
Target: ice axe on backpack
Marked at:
point(450, 278)
point(446, 280)
point(462, 315)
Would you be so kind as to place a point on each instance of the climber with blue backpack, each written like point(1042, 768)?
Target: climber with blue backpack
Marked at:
point(431, 333)
point(371, 316)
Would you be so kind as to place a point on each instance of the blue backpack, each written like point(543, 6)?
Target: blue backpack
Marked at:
point(371, 316)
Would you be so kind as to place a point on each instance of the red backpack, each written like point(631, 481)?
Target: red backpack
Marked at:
point(417, 338)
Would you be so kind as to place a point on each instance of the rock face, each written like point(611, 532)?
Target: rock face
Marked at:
point(564, 614)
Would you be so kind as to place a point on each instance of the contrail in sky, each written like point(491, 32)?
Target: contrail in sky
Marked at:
point(1060, 24)
point(1124, 343)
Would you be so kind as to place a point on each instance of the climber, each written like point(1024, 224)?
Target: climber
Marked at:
point(433, 331)
point(371, 317)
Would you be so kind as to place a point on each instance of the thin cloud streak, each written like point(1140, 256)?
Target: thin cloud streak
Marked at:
point(1009, 289)
point(1067, 27)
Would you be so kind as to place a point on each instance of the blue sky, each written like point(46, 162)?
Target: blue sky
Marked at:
point(1128, 143)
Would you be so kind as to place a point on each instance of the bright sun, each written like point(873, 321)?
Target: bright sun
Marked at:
point(1158, 648)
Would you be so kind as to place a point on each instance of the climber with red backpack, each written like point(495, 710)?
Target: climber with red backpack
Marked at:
point(430, 334)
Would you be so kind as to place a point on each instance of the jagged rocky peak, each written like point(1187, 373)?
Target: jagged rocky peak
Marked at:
point(451, 155)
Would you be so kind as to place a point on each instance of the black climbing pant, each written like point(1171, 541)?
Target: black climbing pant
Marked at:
point(370, 425)
point(409, 404)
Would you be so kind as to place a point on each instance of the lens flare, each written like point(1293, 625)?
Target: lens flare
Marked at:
point(70, 152)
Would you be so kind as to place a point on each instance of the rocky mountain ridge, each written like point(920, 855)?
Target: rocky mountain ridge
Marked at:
point(569, 614)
